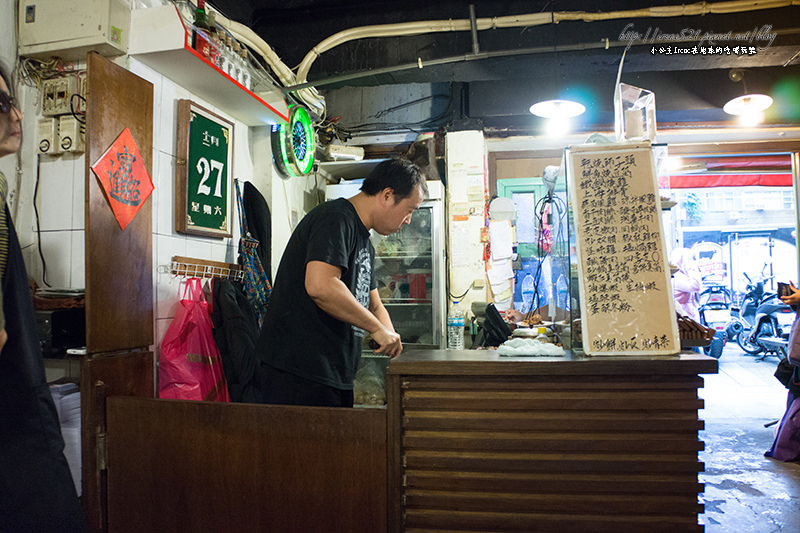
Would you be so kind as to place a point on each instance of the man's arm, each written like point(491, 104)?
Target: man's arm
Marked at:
point(324, 285)
point(377, 309)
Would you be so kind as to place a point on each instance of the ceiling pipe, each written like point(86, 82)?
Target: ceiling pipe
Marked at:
point(308, 95)
point(533, 19)
point(473, 26)
point(605, 44)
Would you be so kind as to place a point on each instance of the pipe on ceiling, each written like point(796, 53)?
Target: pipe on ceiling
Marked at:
point(309, 95)
point(532, 19)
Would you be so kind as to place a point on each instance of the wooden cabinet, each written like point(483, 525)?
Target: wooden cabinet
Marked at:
point(119, 274)
point(482, 443)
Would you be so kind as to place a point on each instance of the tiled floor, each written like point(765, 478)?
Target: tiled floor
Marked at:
point(746, 492)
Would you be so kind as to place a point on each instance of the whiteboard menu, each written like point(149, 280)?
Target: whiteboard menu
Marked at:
point(626, 295)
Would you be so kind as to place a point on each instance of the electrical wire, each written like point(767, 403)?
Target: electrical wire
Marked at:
point(459, 297)
point(434, 121)
point(34, 71)
point(556, 204)
point(38, 229)
point(78, 116)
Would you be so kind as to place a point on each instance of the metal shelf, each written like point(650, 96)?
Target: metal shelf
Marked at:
point(404, 256)
point(160, 40)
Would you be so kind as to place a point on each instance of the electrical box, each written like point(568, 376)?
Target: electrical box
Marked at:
point(71, 29)
point(59, 95)
point(47, 136)
point(70, 134)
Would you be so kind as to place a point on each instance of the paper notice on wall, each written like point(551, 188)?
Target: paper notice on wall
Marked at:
point(460, 244)
point(504, 296)
point(499, 271)
point(502, 291)
point(476, 186)
point(503, 304)
point(459, 209)
point(500, 236)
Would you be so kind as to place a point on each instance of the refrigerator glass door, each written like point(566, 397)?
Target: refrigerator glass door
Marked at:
point(407, 274)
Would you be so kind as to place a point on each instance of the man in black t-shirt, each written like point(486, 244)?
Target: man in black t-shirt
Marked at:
point(325, 298)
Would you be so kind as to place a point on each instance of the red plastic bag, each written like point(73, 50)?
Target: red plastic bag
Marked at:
point(190, 367)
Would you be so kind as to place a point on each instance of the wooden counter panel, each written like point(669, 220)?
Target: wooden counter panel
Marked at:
point(577, 399)
point(490, 444)
point(557, 463)
point(435, 521)
point(636, 421)
point(613, 504)
point(203, 466)
point(551, 442)
point(548, 383)
point(669, 483)
point(466, 363)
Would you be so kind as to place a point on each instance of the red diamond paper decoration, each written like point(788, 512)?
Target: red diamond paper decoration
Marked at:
point(123, 177)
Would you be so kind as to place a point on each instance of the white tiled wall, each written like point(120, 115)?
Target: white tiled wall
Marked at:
point(61, 193)
point(167, 243)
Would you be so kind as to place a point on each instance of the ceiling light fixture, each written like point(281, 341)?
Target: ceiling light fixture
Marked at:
point(748, 107)
point(749, 103)
point(557, 109)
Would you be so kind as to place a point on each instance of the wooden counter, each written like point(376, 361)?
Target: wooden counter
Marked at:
point(469, 441)
point(479, 442)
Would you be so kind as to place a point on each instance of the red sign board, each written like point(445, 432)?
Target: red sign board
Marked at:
point(124, 178)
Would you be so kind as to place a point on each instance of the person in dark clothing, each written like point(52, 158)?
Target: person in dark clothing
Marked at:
point(36, 488)
point(325, 297)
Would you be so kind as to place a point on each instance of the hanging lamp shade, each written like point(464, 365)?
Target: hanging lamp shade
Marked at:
point(557, 109)
point(748, 103)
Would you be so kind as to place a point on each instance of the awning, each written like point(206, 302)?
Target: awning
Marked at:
point(697, 181)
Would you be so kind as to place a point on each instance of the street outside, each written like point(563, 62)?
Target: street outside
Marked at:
point(745, 491)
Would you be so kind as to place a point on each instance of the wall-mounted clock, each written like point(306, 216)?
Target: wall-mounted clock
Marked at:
point(293, 144)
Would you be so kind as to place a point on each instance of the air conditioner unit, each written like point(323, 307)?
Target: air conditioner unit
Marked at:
point(71, 29)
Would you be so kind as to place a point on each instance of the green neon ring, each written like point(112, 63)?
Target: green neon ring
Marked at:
point(303, 119)
point(284, 148)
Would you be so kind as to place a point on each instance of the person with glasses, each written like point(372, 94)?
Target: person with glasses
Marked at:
point(37, 492)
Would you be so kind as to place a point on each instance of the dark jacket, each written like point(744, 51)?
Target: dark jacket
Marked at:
point(235, 332)
point(258, 224)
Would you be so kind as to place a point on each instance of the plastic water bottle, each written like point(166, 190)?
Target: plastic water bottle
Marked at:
point(527, 292)
point(455, 328)
point(563, 292)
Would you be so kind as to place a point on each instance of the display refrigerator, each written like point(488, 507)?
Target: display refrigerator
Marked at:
point(409, 269)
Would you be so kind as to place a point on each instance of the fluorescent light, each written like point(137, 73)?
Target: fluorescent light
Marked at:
point(557, 109)
point(747, 104)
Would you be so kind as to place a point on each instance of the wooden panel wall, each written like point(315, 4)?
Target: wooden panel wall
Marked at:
point(119, 265)
point(553, 453)
point(127, 374)
point(203, 466)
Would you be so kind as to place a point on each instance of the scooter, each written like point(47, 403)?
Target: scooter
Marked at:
point(743, 316)
point(715, 303)
point(769, 324)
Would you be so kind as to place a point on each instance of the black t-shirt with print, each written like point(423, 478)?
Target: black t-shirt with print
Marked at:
point(299, 337)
